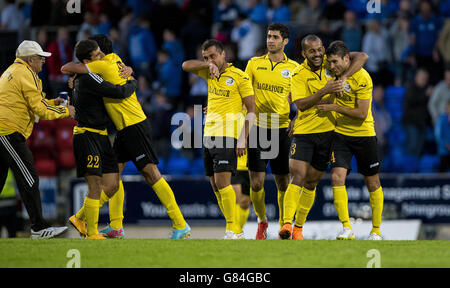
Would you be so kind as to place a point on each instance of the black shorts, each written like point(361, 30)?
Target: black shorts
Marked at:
point(242, 177)
point(94, 154)
point(221, 157)
point(279, 165)
point(363, 148)
point(313, 148)
point(133, 143)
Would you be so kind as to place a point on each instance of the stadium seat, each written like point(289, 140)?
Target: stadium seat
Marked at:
point(65, 122)
point(429, 164)
point(178, 166)
point(66, 159)
point(130, 169)
point(46, 167)
point(64, 137)
point(197, 167)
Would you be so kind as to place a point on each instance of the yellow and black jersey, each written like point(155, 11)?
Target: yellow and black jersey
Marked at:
point(358, 86)
point(21, 98)
point(272, 84)
point(305, 83)
point(123, 112)
point(225, 95)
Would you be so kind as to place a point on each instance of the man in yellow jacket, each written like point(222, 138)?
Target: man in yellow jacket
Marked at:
point(21, 103)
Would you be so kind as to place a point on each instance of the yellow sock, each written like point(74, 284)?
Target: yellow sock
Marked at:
point(165, 195)
point(228, 197)
point(81, 213)
point(281, 207)
point(290, 202)
point(91, 209)
point(116, 208)
point(341, 205)
point(219, 200)
point(376, 202)
point(241, 216)
point(258, 199)
point(305, 202)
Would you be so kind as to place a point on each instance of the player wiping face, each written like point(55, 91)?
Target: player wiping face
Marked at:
point(216, 61)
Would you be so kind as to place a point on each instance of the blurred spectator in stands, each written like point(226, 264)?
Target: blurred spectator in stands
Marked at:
point(142, 48)
point(160, 121)
point(248, 37)
point(194, 33)
point(104, 24)
point(309, 14)
point(382, 120)
point(325, 33)
point(440, 97)
point(406, 8)
point(62, 53)
point(144, 94)
point(424, 31)
point(334, 10)
point(444, 43)
point(96, 7)
point(375, 44)
point(125, 23)
point(351, 32)
point(173, 45)
point(445, 8)
point(198, 91)
point(387, 11)
point(11, 17)
point(357, 6)
point(170, 77)
point(399, 39)
point(442, 133)
point(191, 152)
point(279, 12)
point(42, 39)
point(257, 12)
point(224, 15)
point(415, 113)
point(87, 28)
point(139, 7)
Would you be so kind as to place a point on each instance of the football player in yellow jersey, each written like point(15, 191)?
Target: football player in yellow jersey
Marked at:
point(228, 89)
point(354, 136)
point(132, 142)
point(312, 83)
point(271, 79)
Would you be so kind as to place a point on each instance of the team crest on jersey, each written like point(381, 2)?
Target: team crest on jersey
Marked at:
point(347, 87)
point(229, 81)
point(285, 73)
point(328, 73)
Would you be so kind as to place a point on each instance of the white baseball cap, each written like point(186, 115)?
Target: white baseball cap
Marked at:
point(29, 48)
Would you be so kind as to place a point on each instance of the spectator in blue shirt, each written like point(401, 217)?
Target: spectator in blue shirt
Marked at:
point(170, 77)
point(424, 32)
point(257, 12)
point(445, 8)
point(173, 45)
point(442, 133)
point(142, 48)
point(280, 12)
point(351, 32)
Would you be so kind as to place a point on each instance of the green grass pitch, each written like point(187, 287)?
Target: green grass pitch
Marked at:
point(207, 253)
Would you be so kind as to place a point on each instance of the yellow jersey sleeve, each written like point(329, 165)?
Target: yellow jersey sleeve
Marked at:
point(249, 70)
point(245, 86)
point(365, 86)
point(98, 67)
point(299, 88)
point(203, 73)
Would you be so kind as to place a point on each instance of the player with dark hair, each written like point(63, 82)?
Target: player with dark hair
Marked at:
point(354, 136)
point(95, 158)
point(132, 143)
point(228, 89)
point(270, 75)
point(312, 84)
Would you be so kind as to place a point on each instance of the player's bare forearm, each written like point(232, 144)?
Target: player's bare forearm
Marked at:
point(308, 102)
point(72, 68)
point(359, 112)
point(358, 60)
point(193, 66)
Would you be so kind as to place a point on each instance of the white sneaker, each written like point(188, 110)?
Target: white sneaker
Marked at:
point(230, 235)
point(49, 232)
point(347, 234)
point(240, 236)
point(374, 236)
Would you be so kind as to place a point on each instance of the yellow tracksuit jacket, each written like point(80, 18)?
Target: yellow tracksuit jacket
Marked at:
point(21, 98)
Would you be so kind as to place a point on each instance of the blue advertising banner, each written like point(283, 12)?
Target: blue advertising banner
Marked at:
point(425, 197)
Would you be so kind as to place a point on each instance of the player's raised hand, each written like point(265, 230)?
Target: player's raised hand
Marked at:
point(213, 71)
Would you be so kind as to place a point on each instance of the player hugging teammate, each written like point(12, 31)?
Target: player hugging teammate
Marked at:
point(333, 95)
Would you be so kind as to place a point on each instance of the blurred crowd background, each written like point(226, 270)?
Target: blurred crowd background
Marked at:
point(408, 43)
